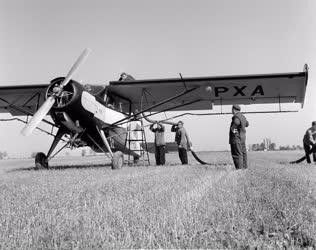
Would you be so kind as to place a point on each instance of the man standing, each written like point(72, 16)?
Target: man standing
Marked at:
point(183, 141)
point(237, 138)
point(309, 142)
point(160, 144)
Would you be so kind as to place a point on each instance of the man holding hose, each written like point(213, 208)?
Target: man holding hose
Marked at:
point(160, 143)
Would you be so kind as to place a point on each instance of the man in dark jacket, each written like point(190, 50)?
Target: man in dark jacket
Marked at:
point(183, 141)
point(126, 77)
point(160, 143)
point(237, 138)
point(309, 142)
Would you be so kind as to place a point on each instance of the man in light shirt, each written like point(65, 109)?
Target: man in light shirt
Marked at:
point(183, 141)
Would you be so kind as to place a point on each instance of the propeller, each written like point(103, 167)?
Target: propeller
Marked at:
point(48, 104)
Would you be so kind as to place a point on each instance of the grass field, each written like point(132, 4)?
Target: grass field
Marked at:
point(270, 205)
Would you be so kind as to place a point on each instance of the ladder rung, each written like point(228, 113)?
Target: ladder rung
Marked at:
point(143, 152)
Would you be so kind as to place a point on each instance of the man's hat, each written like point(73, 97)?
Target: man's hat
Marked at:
point(236, 107)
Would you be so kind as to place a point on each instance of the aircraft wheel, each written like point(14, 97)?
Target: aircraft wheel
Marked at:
point(41, 161)
point(117, 160)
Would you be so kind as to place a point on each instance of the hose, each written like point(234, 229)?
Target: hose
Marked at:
point(198, 159)
point(313, 150)
point(298, 161)
point(153, 121)
point(206, 163)
point(193, 153)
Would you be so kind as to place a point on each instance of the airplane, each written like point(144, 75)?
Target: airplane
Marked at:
point(107, 118)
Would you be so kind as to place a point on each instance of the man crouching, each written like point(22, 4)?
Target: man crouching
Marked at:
point(309, 142)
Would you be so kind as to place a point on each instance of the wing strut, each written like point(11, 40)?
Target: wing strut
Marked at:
point(154, 106)
point(183, 81)
point(101, 132)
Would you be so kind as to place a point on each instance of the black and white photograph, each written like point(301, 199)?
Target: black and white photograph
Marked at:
point(157, 124)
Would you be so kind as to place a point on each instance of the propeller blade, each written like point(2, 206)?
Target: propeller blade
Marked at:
point(76, 65)
point(48, 104)
point(38, 116)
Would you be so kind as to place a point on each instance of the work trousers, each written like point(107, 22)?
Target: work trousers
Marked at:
point(308, 149)
point(160, 155)
point(239, 154)
point(183, 155)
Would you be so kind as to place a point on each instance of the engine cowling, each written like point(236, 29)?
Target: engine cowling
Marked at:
point(67, 109)
point(68, 96)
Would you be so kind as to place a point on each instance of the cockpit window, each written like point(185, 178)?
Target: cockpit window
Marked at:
point(87, 87)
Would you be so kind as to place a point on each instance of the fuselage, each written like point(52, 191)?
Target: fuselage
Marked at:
point(87, 109)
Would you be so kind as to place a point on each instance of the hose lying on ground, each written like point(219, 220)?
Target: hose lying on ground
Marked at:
point(298, 161)
point(198, 159)
point(313, 150)
point(206, 163)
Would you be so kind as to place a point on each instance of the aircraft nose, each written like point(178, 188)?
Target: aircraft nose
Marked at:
point(56, 89)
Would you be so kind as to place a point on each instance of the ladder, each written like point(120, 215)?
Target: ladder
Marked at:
point(139, 141)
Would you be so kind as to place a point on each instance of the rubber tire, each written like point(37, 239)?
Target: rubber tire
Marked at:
point(41, 161)
point(117, 160)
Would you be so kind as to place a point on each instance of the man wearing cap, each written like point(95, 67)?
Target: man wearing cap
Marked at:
point(183, 141)
point(160, 143)
point(126, 77)
point(237, 138)
point(309, 142)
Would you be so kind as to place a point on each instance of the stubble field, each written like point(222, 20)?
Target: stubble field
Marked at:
point(272, 204)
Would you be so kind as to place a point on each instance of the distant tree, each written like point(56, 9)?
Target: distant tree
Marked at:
point(262, 146)
point(5, 155)
point(272, 146)
point(266, 144)
point(287, 147)
point(256, 147)
point(299, 147)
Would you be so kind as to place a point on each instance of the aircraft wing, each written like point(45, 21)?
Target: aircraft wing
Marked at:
point(201, 93)
point(21, 100)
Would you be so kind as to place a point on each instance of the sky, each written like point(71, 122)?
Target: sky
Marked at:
point(39, 40)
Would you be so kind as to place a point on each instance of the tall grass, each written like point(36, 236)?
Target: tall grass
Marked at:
point(269, 205)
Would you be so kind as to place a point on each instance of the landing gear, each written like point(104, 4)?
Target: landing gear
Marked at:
point(117, 157)
point(41, 161)
point(117, 160)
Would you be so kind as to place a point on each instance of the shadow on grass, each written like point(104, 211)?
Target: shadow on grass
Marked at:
point(60, 167)
point(218, 166)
